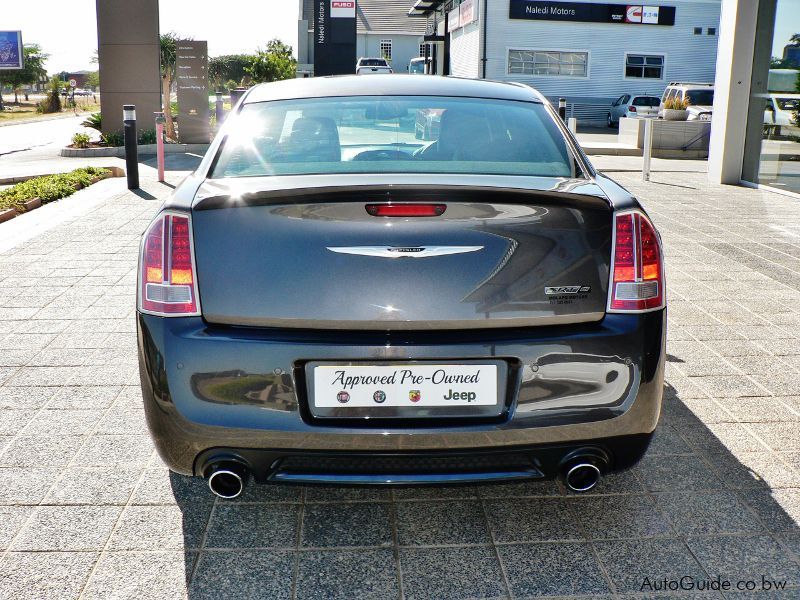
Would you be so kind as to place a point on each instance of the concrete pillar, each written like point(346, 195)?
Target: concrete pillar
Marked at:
point(737, 31)
point(129, 57)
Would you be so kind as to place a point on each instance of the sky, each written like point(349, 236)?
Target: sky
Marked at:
point(67, 30)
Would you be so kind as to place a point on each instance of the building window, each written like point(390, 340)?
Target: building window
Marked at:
point(644, 66)
point(711, 31)
point(698, 31)
point(546, 62)
point(386, 49)
point(422, 49)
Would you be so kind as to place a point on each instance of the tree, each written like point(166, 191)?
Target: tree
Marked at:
point(33, 69)
point(779, 63)
point(168, 59)
point(273, 64)
point(93, 79)
point(795, 39)
point(226, 68)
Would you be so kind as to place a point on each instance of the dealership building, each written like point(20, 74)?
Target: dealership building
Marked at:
point(332, 34)
point(588, 52)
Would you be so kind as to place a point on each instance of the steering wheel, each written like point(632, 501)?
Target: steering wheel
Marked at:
point(381, 155)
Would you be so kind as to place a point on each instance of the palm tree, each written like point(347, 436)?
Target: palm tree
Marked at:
point(168, 58)
point(795, 39)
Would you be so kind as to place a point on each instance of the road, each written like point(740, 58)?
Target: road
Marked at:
point(38, 135)
point(25, 147)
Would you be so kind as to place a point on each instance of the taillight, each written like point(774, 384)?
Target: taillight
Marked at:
point(406, 210)
point(632, 109)
point(637, 267)
point(167, 278)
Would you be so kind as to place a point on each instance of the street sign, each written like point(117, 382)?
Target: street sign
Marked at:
point(73, 83)
point(11, 55)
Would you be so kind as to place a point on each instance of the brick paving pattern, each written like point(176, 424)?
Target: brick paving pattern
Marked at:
point(87, 510)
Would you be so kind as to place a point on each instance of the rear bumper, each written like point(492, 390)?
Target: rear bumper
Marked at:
point(210, 388)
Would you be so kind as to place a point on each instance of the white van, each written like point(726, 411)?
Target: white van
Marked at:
point(700, 96)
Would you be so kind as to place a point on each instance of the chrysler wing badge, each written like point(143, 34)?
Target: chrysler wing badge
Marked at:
point(403, 251)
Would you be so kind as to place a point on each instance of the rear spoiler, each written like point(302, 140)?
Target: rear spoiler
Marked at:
point(577, 193)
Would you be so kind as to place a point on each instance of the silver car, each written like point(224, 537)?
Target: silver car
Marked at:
point(632, 107)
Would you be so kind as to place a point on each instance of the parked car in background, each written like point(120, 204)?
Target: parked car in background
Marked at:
point(632, 107)
point(373, 66)
point(328, 299)
point(780, 112)
point(416, 66)
point(700, 96)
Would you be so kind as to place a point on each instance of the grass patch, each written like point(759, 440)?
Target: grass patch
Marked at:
point(49, 187)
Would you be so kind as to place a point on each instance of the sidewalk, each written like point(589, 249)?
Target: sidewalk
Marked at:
point(88, 510)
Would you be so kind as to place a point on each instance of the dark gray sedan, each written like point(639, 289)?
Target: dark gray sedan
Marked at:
point(329, 299)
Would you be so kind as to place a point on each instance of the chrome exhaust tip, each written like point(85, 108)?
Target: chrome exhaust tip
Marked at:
point(582, 477)
point(226, 480)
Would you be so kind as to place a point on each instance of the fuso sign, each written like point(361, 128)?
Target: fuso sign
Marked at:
point(343, 9)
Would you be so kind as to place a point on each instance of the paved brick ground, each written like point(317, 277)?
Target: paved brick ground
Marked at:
point(87, 510)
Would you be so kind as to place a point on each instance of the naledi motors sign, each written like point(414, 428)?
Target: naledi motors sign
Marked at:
point(545, 10)
point(11, 56)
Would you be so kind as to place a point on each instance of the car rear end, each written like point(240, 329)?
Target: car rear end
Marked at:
point(395, 328)
point(643, 107)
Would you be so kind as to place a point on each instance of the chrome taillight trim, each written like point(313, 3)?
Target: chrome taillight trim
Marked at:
point(140, 290)
point(662, 273)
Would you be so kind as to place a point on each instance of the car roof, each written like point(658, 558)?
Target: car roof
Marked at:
point(390, 85)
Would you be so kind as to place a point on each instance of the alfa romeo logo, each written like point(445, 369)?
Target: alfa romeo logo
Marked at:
point(379, 397)
point(343, 397)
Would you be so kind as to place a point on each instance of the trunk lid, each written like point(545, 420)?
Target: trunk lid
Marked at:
point(272, 256)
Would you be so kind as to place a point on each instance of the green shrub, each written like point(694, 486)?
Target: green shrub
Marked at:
point(114, 138)
point(81, 140)
point(50, 104)
point(147, 136)
point(49, 187)
point(93, 121)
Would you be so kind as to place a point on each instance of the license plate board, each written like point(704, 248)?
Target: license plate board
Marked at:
point(406, 390)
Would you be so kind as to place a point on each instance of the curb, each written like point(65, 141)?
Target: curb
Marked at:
point(119, 151)
point(34, 203)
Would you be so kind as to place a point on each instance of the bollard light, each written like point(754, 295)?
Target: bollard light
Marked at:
point(562, 108)
point(131, 148)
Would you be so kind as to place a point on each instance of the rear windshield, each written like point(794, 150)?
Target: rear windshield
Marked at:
point(646, 101)
point(373, 62)
point(385, 134)
point(788, 103)
point(700, 97)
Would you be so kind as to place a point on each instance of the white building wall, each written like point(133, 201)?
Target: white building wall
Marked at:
point(688, 57)
point(404, 48)
point(465, 45)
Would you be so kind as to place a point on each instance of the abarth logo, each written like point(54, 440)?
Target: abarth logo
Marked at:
point(343, 397)
point(379, 397)
point(414, 395)
point(567, 289)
